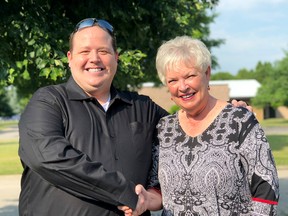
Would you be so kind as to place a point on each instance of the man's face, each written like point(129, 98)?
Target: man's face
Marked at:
point(93, 62)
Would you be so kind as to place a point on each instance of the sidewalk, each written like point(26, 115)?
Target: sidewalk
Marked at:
point(10, 189)
point(9, 193)
point(10, 184)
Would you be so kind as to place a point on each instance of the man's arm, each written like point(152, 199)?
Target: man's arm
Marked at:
point(46, 151)
point(241, 104)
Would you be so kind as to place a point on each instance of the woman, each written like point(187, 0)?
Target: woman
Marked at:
point(214, 159)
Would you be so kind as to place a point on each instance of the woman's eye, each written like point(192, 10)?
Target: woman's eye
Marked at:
point(171, 81)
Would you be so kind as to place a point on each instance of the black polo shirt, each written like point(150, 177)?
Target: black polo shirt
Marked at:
point(79, 159)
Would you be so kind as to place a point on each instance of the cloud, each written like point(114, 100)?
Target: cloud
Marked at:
point(254, 30)
point(232, 5)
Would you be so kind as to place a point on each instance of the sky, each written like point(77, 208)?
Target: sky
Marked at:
point(253, 30)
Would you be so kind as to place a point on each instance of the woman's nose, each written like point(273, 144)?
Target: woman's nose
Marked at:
point(183, 86)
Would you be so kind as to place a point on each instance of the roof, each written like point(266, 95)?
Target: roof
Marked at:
point(239, 88)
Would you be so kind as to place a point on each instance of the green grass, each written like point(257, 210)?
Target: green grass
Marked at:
point(5, 124)
point(274, 122)
point(10, 162)
point(279, 146)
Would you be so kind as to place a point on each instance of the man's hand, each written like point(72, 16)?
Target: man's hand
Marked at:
point(141, 204)
point(147, 200)
point(127, 211)
point(241, 104)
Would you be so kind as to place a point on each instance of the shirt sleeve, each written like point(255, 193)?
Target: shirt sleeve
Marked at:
point(153, 181)
point(45, 150)
point(261, 169)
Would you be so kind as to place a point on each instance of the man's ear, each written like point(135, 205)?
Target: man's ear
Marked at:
point(69, 56)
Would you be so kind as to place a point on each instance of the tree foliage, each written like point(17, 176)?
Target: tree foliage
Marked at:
point(271, 76)
point(245, 74)
point(5, 108)
point(274, 88)
point(222, 76)
point(263, 71)
point(34, 36)
point(33, 44)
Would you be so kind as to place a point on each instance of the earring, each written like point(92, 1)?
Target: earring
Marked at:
point(208, 88)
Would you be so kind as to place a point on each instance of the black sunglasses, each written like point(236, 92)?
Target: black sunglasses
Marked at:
point(91, 22)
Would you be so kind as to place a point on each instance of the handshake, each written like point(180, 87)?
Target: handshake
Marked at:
point(147, 200)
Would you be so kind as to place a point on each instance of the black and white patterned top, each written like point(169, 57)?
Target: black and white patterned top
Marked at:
point(226, 170)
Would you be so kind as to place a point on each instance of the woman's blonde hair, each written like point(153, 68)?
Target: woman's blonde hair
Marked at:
point(182, 50)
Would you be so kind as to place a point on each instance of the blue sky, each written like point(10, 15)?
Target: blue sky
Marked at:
point(254, 30)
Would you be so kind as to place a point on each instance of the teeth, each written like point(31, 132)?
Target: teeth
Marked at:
point(187, 96)
point(94, 69)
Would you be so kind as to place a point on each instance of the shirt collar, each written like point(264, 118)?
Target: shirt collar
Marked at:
point(75, 92)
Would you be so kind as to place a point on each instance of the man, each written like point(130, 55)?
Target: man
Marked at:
point(83, 144)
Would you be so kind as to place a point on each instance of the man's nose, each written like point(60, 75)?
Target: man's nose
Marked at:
point(94, 56)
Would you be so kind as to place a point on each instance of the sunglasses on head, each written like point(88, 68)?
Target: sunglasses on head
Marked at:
point(91, 22)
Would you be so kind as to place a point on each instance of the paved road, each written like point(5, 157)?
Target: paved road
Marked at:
point(9, 133)
point(10, 189)
point(10, 184)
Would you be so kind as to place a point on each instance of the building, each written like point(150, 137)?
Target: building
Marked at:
point(226, 90)
point(243, 90)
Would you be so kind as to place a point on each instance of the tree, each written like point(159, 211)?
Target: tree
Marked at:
point(274, 85)
point(245, 74)
point(5, 109)
point(222, 76)
point(262, 71)
point(34, 36)
point(32, 39)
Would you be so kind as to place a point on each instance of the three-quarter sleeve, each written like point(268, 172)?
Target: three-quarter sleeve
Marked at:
point(261, 169)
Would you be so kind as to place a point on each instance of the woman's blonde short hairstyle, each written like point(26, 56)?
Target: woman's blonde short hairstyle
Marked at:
point(182, 50)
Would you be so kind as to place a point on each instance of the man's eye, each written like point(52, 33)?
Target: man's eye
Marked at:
point(103, 52)
point(84, 52)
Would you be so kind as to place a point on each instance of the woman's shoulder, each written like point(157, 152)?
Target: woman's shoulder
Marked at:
point(237, 114)
point(171, 118)
point(237, 110)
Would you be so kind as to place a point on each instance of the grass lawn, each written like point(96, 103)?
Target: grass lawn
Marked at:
point(9, 160)
point(274, 122)
point(10, 163)
point(279, 146)
point(5, 124)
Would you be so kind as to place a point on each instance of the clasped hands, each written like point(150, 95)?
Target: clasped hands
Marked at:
point(147, 200)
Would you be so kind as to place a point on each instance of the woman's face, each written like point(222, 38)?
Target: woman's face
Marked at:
point(188, 87)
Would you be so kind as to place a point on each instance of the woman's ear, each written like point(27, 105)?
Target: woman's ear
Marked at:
point(208, 73)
